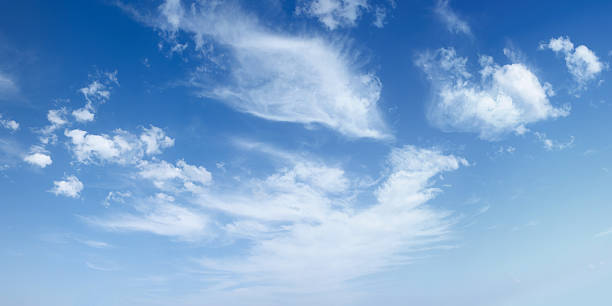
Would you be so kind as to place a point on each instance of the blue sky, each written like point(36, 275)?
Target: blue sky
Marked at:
point(324, 152)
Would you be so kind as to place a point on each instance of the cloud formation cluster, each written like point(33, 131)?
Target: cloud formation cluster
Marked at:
point(581, 61)
point(504, 99)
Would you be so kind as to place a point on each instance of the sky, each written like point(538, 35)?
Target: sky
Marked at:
point(309, 152)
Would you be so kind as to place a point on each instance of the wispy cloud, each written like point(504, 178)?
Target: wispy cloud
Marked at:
point(278, 76)
point(453, 23)
point(304, 227)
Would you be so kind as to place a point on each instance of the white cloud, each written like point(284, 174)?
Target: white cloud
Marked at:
point(581, 62)
point(97, 92)
point(303, 225)
point(159, 216)
point(57, 119)
point(304, 237)
point(155, 139)
point(505, 99)
point(9, 124)
point(166, 176)
point(95, 244)
point(116, 196)
point(335, 13)
point(450, 18)
point(84, 114)
point(70, 187)
point(303, 79)
point(550, 144)
point(7, 85)
point(121, 148)
point(38, 159)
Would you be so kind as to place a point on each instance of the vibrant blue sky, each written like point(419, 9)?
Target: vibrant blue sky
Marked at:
point(325, 152)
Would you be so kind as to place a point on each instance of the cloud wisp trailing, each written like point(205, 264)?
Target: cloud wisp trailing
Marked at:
point(453, 23)
point(305, 230)
point(278, 76)
point(505, 99)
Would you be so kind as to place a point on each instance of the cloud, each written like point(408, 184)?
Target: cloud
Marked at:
point(160, 216)
point(166, 176)
point(604, 233)
point(69, 187)
point(454, 24)
point(7, 86)
point(550, 144)
point(38, 159)
point(95, 244)
point(96, 93)
point(581, 62)
point(505, 99)
point(275, 76)
point(305, 237)
point(335, 13)
point(300, 227)
point(122, 148)
point(57, 119)
point(9, 124)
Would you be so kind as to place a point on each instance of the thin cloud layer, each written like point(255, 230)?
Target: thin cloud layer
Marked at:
point(9, 124)
point(280, 77)
point(304, 227)
point(503, 100)
point(453, 23)
point(581, 61)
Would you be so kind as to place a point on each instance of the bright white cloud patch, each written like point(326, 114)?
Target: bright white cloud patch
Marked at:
point(581, 62)
point(38, 159)
point(303, 79)
point(123, 147)
point(9, 124)
point(504, 99)
point(69, 187)
point(450, 18)
point(166, 176)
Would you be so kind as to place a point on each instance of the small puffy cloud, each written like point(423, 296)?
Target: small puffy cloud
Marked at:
point(453, 23)
point(275, 76)
point(9, 124)
point(123, 147)
point(38, 159)
point(155, 139)
point(166, 176)
point(505, 99)
point(69, 187)
point(57, 119)
point(335, 13)
point(581, 61)
point(84, 114)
